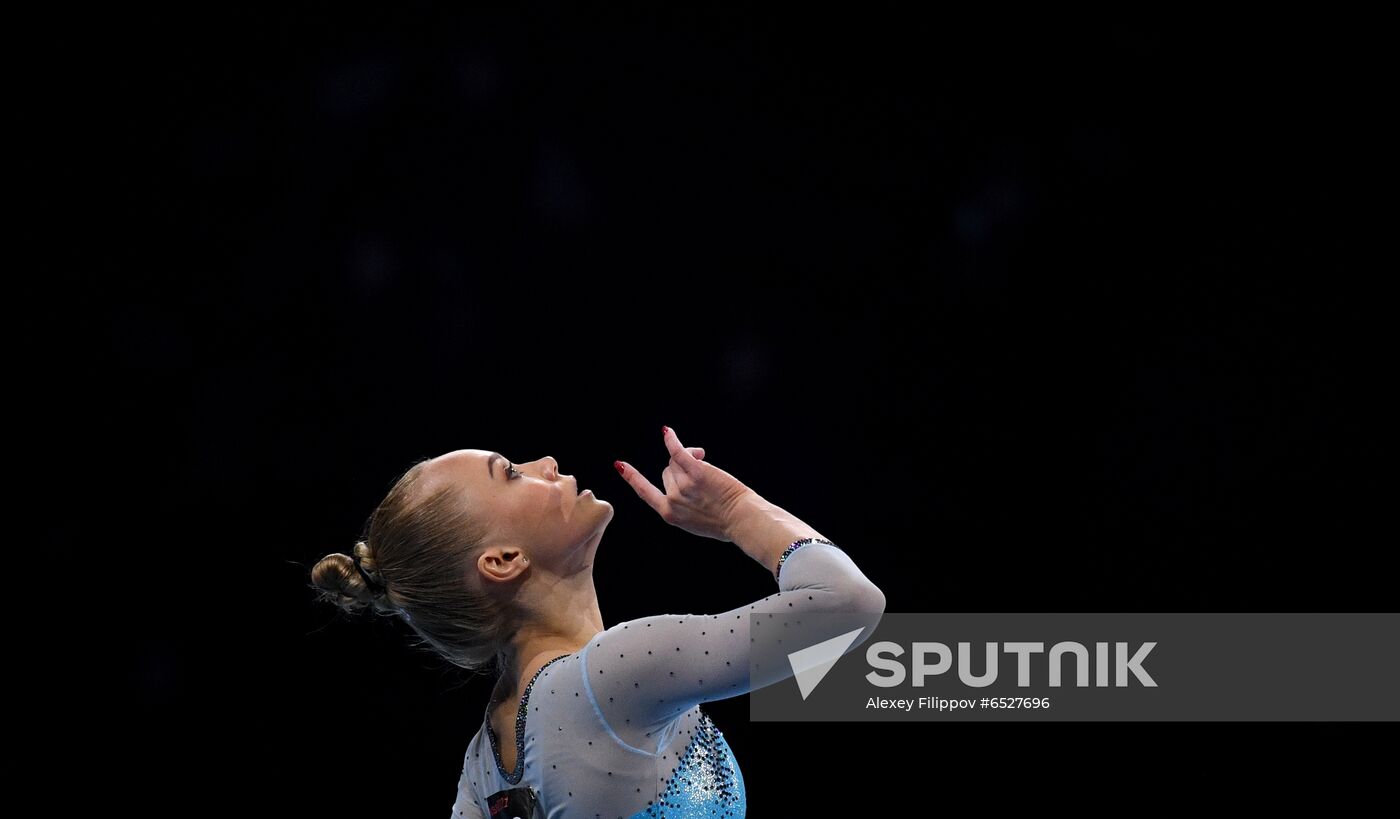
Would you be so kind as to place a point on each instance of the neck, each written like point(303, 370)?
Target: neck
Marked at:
point(560, 621)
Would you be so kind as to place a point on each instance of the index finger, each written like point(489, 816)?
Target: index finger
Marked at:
point(644, 488)
point(680, 456)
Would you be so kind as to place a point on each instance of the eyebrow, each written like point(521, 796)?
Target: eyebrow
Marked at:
point(495, 456)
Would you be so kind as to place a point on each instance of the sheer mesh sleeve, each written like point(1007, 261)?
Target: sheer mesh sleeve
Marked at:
point(643, 673)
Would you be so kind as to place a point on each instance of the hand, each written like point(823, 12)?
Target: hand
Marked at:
point(700, 497)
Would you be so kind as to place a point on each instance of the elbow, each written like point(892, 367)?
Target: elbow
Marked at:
point(868, 600)
point(877, 600)
point(866, 610)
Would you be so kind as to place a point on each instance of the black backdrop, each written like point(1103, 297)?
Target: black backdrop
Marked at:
point(1026, 314)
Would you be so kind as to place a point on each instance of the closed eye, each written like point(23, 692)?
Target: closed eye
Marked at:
point(514, 473)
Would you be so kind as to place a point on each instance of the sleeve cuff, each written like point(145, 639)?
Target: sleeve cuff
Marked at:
point(778, 571)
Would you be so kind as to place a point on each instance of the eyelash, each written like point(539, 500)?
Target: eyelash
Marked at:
point(515, 473)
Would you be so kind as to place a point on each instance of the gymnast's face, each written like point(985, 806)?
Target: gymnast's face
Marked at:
point(537, 520)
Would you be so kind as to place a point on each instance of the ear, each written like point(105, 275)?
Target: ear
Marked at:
point(501, 564)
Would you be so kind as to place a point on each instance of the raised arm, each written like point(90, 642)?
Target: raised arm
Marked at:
point(644, 672)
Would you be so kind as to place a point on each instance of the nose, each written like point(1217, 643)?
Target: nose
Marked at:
point(552, 466)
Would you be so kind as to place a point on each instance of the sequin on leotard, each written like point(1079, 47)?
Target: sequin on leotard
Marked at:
point(706, 783)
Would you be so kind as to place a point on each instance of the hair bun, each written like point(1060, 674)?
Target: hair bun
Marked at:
point(364, 563)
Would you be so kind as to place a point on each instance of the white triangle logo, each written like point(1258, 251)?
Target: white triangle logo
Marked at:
point(811, 663)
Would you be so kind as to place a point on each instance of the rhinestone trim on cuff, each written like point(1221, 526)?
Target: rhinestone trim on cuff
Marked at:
point(778, 572)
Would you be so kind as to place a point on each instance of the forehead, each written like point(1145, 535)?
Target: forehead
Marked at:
point(455, 467)
point(460, 461)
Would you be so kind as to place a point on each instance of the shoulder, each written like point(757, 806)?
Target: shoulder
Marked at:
point(477, 766)
point(554, 672)
point(644, 627)
point(478, 739)
point(644, 642)
point(478, 749)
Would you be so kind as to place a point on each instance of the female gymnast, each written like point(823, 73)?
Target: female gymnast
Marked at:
point(491, 563)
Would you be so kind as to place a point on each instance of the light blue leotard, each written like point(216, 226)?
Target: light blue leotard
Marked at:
point(615, 730)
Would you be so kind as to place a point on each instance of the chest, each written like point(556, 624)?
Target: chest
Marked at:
point(503, 723)
point(692, 773)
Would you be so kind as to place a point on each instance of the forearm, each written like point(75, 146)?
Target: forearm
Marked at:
point(763, 530)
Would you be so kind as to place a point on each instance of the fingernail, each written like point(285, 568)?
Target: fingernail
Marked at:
point(665, 430)
point(620, 469)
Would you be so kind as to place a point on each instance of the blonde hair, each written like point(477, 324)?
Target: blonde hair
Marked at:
point(422, 552)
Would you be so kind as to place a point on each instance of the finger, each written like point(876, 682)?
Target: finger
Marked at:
point(643, 487)
point(698, 452)
point(679, 454)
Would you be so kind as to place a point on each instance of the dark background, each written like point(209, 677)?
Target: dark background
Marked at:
point(1026, 314)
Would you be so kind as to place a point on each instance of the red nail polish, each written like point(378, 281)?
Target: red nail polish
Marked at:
point(620, 470)
point(665, 430)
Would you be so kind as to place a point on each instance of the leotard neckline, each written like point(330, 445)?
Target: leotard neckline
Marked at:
point(514, 777)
